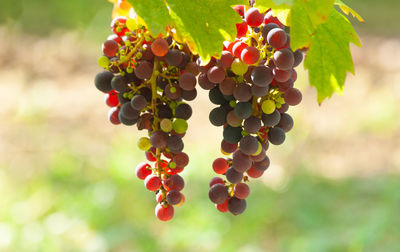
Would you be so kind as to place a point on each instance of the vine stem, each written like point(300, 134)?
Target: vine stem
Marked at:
point(154, 96)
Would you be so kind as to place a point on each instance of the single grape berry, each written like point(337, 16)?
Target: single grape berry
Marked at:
point(152, 182)
point(253, 17)
point(241, 191)
point(160, 47)
point(164, 213)
point(220, 165)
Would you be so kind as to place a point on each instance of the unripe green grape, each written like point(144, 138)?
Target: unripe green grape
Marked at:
point(103, 62)
point(166, 125)
point(258, 150)
point(268, 106)
point(144, 144)
point(180, 126)
point(172, 165)
point(238, 67)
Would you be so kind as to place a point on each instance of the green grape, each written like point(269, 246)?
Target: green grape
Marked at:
point(239, 67)
point(166, 125)
point(268, 106)
point(144, 144)
point(258, 150)
point(103, 62)
point(180, 126)
point(172, 165)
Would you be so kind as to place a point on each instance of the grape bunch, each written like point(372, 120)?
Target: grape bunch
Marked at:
point(147, 82)
point(252, 84)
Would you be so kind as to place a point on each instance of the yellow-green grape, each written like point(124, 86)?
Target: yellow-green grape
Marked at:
point(180, 126)
point(144, 144)
point(172, 165)
point(258, 150)
point(238, 67)
point(103, 62)
point(131, 24)
point(166, 125)
point(268, 106)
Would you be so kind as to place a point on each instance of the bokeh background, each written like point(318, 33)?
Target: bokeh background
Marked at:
point(67, 178)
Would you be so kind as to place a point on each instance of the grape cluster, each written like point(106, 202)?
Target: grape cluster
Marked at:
point(252, 84)
point(146, 83)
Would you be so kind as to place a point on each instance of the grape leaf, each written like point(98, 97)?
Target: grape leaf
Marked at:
point(155, 13)
point(329, 56)
point(346, 9)
point(204, 24)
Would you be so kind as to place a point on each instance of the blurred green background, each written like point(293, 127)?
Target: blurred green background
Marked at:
point(67, 176)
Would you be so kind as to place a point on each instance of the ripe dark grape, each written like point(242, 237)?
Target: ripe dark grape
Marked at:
point(262, 165)
point(218, 116)
point(227, 86)
point(183, 111)
point(218, 193)
point(243, 110)
point(249, 145)
point(262, 76)
point(276, 136)
point(258, 91)
point(204, 82)
point(277, 37)
point(226, 59)
point(103, 81)
point(241, 162)
point(233, 176)
point(228, 147)
point(271, 120)
point(138, 102)
point(175, 144)
point(236, 206)
point(284, 59)
point(242, 92)
point(174, 197)
point(298, 58)
point(216, 96)
point(232, 135)
point(216, 74)
point(282, 75)
point(158, 139)
point(286, 122)
point(181, 159)
point(126, 121)
point(187, 81)
point(119, 83)
point(267, 28)
point(174, 182)
point(241, 191)
point(189, 95)
point(252, 125)
point(129, 112)
point(216, 180)
point(174, 57)
point(293, 96)
point(144, 70)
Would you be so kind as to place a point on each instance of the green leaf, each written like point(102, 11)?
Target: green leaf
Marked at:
point(205, 24)
point(154, 12)
point(304, 17)
point(346, 9)
point(329, 57)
